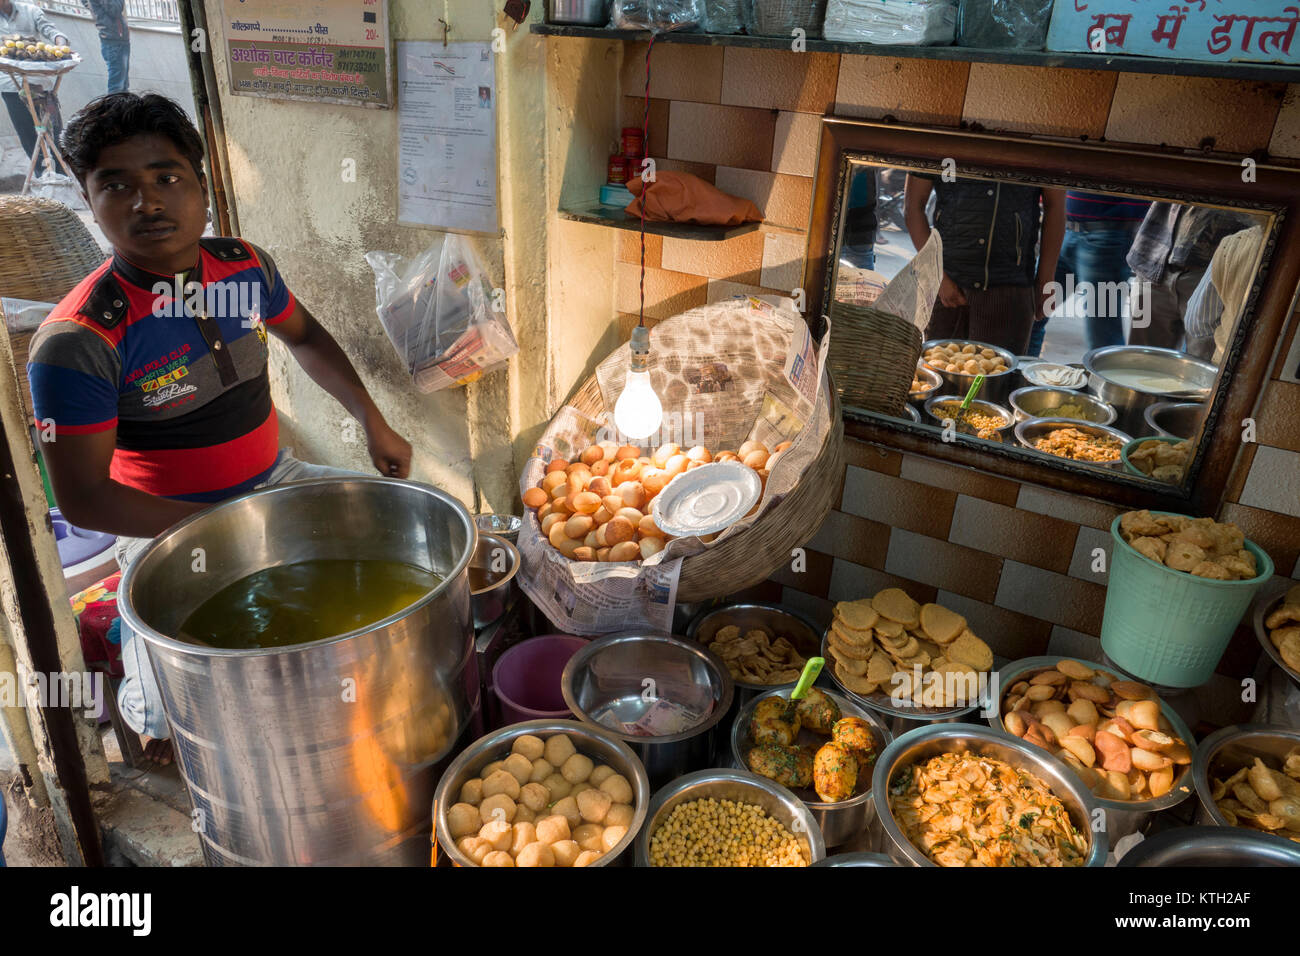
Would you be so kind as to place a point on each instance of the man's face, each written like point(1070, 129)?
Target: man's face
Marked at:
point(150, 202)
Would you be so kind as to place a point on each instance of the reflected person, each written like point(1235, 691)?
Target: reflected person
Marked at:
point(1219, 298)
point(860, 220)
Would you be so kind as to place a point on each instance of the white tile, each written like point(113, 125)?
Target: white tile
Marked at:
point(1295, 572)
point(794, 148)
point(783, 260)
point(1274, 481)
point(1067, 643)
point(720, 289)
point(1076, 508)
point(860, 485)
point(1085, 558)
point(750, 184)
point(847, 581)
point(816, 608)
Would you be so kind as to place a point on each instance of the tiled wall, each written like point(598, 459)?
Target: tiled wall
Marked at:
point(1015, 559)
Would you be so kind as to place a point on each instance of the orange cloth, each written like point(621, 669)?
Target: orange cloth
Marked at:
point(681, 197)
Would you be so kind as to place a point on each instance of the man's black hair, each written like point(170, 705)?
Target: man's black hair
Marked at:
point(117, 117)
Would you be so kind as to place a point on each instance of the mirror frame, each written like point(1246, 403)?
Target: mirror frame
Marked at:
point(1168, 174)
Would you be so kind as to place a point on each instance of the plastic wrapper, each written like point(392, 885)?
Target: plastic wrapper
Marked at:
point(780, 18)
point(438, 311)
point(905, 22)
point(724, 16)
point(1004, 24)
point(658, 16)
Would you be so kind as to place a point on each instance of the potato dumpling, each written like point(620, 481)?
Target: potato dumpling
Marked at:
point(536, 854)
point(619, 815)
point(541, 770)
point(522, 835)
point(619, 790)
point(519, 767)
point(534, 796)
point(566, 851)
point(497, 807)
point(609, 839)
point(497, 858)
point(594, 805)
point(559, 748)
point(587, 857)
point(568, 808)
point(463, 820)
point(588, 836)
point(524, 815)
point(498, 834)
point(552, 829)
point(475, 848)
point(502, 781)
point(599, 774)
point(559, 787)
point(491, 768)
point(472, 792)
point(576, 769)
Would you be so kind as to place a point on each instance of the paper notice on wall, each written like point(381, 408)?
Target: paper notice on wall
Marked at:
point(446, 135)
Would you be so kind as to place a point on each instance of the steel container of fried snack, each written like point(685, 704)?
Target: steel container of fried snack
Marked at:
point(924, 743)
point(1122, 816)
point(1225, 752)
point(1213, 846)
point(1268, 601)
point(840, 821)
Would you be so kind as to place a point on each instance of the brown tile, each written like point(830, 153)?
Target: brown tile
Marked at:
point(872, 457)
point(943, 564)
point(816, 609)
point(1234, 116)
point(627, 321)
point(666, 293)
point(1240, 472)
point(898, 503)
point(1073, 508)
point(739, 259)
point(1278, 414)
point(796, 143)
point(1032, 99)
point(629, 248)
point(1242, 653)
point(1067, 601)
point(1286, 131)
point(814, 579)
point(705, 171)
point(721, 135)
point(1036, 539)
point(783, 200)
point(965, 481)
point(767, 592)
point(780, 79)
point(911, 91)
point(632, 113)
point(1011, 635)
point(850, 582)
point(1277, 534)
point(677, 72)
point(856, 539)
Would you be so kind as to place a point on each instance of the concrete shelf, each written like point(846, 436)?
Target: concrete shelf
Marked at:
point(596, 214)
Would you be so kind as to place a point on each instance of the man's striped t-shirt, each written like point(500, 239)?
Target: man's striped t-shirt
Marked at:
point(182, 379)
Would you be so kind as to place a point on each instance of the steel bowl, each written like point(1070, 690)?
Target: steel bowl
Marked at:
point(1225, 752)
point(1213, 846)
point(900, 719)
point(996, 387)
point(910, 411)
point(1122, 816)
point(616, 680)
point(927, 742)
point(980, 405)
point(1269, 600)
point(856, 859)
point(1039, 401)
point(1025, 372)
point(930, 377)
point(1174, 419)
point(600, 745)
point(1028, 431)
point(1131, 402)
point(743, 787)
point(503, 526)
point(492, 571)
point(840, 821)
point(1135, 444)
point(781, 621)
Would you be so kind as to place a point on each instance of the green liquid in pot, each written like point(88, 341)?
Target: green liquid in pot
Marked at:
point(306, 601)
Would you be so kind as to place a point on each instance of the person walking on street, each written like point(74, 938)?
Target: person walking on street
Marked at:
point(28, 20)
point(114, 39)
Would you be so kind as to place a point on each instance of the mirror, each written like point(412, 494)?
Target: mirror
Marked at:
point(1091, 327)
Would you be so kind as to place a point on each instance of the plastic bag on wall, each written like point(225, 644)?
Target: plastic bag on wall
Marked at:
point(438, 311)
point(724, 16)
point(1014, 24)
point(914, 22)
point(659, 16)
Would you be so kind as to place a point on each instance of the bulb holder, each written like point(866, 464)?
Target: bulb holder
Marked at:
point(640, 349)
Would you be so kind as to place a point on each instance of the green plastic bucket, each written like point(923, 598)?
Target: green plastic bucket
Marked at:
point(1169, 627)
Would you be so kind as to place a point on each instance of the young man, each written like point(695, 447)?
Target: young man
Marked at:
point(28, 20)
point(161, 404)
point(114, 40)
point(1000, 246)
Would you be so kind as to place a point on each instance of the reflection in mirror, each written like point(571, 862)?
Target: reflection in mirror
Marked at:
point(1094, 323)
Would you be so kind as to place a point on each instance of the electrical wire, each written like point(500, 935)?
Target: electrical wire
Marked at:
point(645, 153)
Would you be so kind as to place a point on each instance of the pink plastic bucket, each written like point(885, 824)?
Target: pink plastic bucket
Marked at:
point(527, 677)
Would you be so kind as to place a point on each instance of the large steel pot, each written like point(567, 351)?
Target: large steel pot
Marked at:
point(1196, 380)
point(1228, 750)
point(326, 752)
point(1212, 846)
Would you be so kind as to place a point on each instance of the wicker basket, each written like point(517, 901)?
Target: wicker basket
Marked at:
point(753, 556)
point(777, 18)
point(47, 250)
point(873, 356)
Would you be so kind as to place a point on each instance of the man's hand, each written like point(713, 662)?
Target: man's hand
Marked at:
point(950, 293)
point(390, 452)
point(1046, 299)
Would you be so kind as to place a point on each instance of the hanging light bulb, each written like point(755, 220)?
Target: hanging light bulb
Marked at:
point(638, 413)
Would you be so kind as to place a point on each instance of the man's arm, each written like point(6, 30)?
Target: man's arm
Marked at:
point(89, 498)
point(916, 193)
point(46, 29)
point(1049, 243)
point(321, 358)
